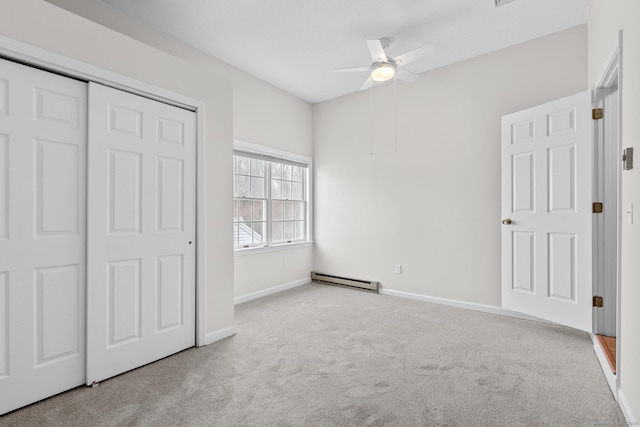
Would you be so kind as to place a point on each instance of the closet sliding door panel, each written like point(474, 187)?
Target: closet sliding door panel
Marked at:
point(42, 234)
point(141, 221)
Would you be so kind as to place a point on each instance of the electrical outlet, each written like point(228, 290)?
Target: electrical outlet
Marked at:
point(398, 268)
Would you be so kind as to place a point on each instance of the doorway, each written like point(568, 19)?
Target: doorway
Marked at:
point(607, 189)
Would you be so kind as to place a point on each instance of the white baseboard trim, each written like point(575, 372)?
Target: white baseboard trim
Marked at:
point(604, 364)
point(626, 409)
point(220, 334)
point(272, 290)
point(462, 304)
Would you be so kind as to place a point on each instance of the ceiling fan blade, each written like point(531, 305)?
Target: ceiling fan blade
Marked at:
point(377, 51)
point(348, 69)
point(407, 76)
point(412, 55)
point(367, 84)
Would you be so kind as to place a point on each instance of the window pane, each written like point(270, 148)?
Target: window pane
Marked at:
point(296, 173)
point(235, 164)
point(299, 230)
point(235, 234)
point(277, 211)
point(258, 235)
point(288, 231)
point(244, 236)
point(286, 172)
point(257, 187)
point(235, 209)
point(257, 167)
point(296, 191)
point(286, 190)
point(288, 210)
point(244, 233)
point(276, 232)
point(243, 188)
point(258, 210)
point(298, 210)
point(276, 191)
point(244, 210)
point(244, 165)
point(276, 170)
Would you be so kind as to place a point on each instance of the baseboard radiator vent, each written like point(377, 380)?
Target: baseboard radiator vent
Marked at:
point(365, 285)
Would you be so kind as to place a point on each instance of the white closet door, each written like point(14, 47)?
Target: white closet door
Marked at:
point(42, 234)
point(141, 231)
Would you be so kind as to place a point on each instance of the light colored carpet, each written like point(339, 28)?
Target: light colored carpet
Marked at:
point(320, 355)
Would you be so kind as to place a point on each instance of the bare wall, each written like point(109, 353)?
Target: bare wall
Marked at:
point(424, 191)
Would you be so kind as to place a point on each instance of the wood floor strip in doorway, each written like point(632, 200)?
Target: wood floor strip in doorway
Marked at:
point(608, 345)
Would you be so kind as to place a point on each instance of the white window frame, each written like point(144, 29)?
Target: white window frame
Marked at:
point(307, 190)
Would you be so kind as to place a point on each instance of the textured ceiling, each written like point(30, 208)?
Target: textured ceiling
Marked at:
point(294, 44)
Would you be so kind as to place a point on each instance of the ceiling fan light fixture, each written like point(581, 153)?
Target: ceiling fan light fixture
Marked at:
point(383, 72)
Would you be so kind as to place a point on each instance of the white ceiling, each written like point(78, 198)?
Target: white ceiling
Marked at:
point(294, 44)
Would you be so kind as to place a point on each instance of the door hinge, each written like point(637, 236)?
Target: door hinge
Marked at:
point(627, 159)
point(597, 207)
point(597, 113)
point(598, 301)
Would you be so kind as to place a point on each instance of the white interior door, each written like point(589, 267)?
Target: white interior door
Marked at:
point(42, 234)
point(607, 189)
point(547, 166)
point(141, 231)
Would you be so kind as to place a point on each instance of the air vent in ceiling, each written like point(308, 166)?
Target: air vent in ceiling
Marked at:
point(501, 2)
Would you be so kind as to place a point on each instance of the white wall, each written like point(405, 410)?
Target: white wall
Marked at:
point(434, 205)
point(262, 114)
point(258, 272)
point(48, 27)
point(607, 17)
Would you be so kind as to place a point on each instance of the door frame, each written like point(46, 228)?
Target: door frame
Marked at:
point(611, 72)
point(59, 64)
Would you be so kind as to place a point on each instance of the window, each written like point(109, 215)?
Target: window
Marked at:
point(270, 198)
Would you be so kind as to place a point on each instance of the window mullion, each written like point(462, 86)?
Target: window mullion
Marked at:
point(267, 183)
point(304, 203)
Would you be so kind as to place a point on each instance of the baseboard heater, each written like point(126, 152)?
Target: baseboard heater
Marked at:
point(365, 285)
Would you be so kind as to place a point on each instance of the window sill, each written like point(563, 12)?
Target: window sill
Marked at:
point(274, 248)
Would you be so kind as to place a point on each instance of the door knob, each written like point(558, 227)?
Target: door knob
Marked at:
point(506, 221)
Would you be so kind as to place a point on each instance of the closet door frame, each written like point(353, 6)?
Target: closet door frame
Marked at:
point(53, 62)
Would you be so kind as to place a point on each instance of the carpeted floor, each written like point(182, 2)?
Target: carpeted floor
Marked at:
point(319, 355)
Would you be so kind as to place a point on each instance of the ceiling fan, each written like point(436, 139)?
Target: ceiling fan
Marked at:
point(384, 68)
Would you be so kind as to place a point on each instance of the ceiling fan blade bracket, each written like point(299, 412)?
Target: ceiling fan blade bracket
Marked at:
point(413, 55)
point(377, 51)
